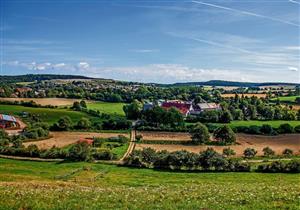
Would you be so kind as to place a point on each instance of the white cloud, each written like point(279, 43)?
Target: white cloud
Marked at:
point(295, 2)
point(144, 50)
point(83, 65)
point(292, 68)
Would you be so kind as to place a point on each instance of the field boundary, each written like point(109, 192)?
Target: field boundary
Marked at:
point(30, 158)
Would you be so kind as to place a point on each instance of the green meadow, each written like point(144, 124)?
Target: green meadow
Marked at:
point(107, 107)
point(45, 114)
point(286, 98)
point(37, 185)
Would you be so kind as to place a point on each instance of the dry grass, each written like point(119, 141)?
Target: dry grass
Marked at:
point(258, 142)
point(62, 139)
point(45, 101)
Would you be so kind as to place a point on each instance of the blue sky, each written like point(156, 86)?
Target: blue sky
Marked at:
point(153, 41)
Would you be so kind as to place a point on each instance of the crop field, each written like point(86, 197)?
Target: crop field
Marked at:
point(45, 114)
point(259, 95)
point(37, 185)
point(107, 107)
point(46, 101)
point(277, 143)
point(62, 139)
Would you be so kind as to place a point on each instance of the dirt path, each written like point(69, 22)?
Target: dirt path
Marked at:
point(62, 139)
point(258, 142)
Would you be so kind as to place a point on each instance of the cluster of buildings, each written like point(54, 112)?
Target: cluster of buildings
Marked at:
point(186, 108)
point(9, 122)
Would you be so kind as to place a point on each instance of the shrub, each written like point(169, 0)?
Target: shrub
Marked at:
point(297, 129)
point(139, 137)
point(225, 135)
point(228, 152)
point(292, 166)
point(254, 129)
point(102, 154)
point(84, 123)
point(200, 134)
point(250, 153)
point(266, 129)
point(287, 152)
point(33, 151)
point(285, 128)
point(79, 152)
point(268, 152)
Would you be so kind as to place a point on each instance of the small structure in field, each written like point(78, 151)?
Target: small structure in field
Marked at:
point(89, 141)
point(201, 107)
point(9, 122)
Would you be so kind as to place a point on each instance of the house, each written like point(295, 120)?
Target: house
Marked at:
point(208, 106)
point(185, 108)
point(9, 122)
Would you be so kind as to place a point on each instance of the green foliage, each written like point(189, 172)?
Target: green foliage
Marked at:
point(228, 152)
point(225, 135)
point(133, 110)
point(84, 123)
point(287, 152)
point(292, 166)
point(285, 128)
point(268, 152)
point(250, 153)
point(79, 152)
point(199, 134)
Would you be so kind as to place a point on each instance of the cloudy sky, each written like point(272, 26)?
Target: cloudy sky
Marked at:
point(162, 41)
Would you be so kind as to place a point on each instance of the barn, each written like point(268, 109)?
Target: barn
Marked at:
point(9, 122)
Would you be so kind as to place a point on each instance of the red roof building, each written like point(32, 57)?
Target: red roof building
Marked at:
point(89, 141)
point(183, 107)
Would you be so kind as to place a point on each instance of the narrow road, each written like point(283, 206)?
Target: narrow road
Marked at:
point(130, 147)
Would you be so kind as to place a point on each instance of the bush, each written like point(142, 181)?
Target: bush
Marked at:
point(79, 152)
point(102, 154)
point(139, 137)
point(285, 128)
point(268, 152)
point(225, 135)
point(84, 123)
point(267, 129)
point(200, 134)
point(254, 129)
point(292, 166)
point(297, 129)
point(287, 152)
point(228, 152)
point(250, 153)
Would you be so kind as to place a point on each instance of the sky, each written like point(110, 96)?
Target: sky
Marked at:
point(163, 41)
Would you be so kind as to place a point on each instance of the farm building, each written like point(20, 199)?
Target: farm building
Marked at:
point(200, 107)
point(9, 122)
point(184, 107)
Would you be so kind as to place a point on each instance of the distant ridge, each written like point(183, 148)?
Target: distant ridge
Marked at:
point(232, 83)
point(41, 77)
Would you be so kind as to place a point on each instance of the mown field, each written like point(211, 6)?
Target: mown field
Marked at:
point(46, 114)
point(107, 107)
point(36, 185)
point(287, 98)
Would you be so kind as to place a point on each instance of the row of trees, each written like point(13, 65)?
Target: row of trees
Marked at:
point(208, 160)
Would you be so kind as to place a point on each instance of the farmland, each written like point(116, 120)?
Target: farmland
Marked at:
point(62, 139)
point(273, 123)
point(45, 114)
point(39, 185)
point(287, 98)
point(107, 107)
point(258, 142)
point(45, 101)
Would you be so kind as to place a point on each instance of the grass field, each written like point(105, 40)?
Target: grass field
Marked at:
point(36, 185)
point(46, 114)
point(108, 108)
point(273, 123)
point(286, 98)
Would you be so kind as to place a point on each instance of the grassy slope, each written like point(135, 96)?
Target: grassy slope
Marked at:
point(32, 185)
point(287, 98)
point(108, 108)
point(46, 114)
